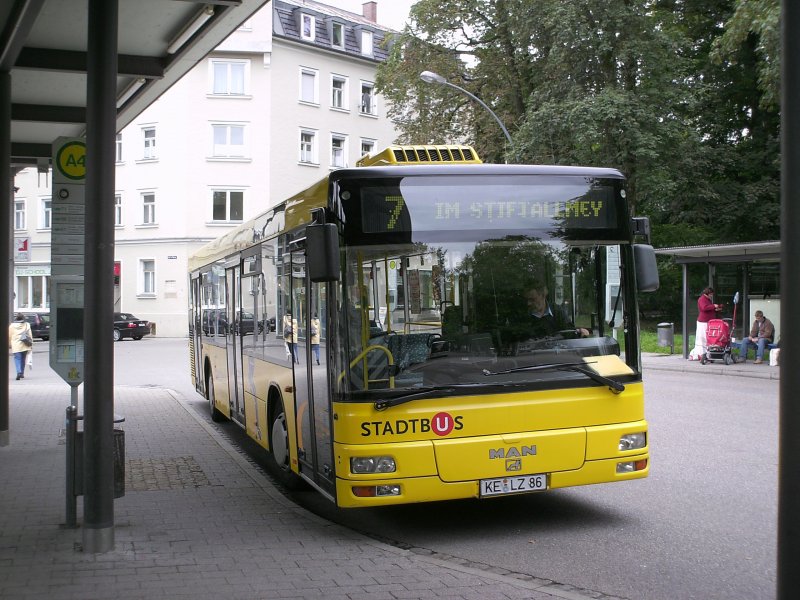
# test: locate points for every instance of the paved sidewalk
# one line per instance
(676, 362)
(198, 521)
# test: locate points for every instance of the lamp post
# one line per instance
(431, 77)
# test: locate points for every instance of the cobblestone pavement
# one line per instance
(198, 521)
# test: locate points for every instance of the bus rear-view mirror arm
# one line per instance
(322, 252)
(646, 268)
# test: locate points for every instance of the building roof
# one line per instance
(286, 24)
(720, 253)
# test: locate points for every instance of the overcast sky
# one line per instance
(391, 13)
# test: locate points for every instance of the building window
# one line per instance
(368, 99)
(118, 149)
(148, 208)
(32, 291)
(19, 215)
(366, 43)
(228, 141)
(147, 277)
(337, 35)
(149, 134)
(307, 27)
(308, 146)
(117, 210)
(229, 78)
(367, 147)
(338, 150)
(338, 92)
(45, 214)
(309, 91)
(228, 205)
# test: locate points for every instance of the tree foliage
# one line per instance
(680, 95)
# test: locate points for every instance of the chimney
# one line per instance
(370, 11)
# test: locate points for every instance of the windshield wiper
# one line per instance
(578, 367)
(429, 392)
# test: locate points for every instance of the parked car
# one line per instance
(40, 324)
(127, 325)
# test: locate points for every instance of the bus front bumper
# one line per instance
(389, 491)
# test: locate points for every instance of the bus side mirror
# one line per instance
(646, 267)
(322, 252)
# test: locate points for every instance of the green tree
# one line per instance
(680, 95)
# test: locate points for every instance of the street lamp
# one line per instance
(431, 77)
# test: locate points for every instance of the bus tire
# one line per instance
(279, 448)
(216, 415)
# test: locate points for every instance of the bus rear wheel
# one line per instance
(279, 449)
(216, 416)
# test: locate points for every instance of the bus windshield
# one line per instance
(473, 285)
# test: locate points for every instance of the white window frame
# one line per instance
(20, 214)
(334, 26)
(118, 210)
(367, 41)
(148, 209)
(227, 191)
(342, 94)
(372, 109)
(339, 145)
(118, 148)
(146, 285)
(367, 142)
(228, 150)
(308, 33)
(149, 142)
(225, 89)
(45, 213)
(302, 92)
(308, 150)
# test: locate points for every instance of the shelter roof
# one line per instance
(43, 45)
(722, 253)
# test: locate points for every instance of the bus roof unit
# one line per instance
(429, 154)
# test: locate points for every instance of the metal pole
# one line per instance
(484, 105)
(7, 200)
(71, 520)
(789, 452)
(685, 330)
(98, 429)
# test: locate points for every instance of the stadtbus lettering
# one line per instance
(401, 426)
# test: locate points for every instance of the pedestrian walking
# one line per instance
(20, 342)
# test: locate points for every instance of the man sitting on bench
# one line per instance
(761, 334)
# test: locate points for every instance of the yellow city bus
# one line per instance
(428, 327)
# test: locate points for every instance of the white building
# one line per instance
(283, 101)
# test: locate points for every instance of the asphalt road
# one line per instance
(703, 525)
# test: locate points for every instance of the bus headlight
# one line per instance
(373, 491)
(633, 441)
(372, 464)
(632, 466)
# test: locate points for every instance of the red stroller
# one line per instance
(718, 338)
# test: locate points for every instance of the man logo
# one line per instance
(512, 452)
(514, 465)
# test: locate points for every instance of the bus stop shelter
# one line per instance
(86, 69)
(714, 255)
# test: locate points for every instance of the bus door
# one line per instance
(312, 399)
(233, 343)
(196, 331)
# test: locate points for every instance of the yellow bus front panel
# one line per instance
(461, 447)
